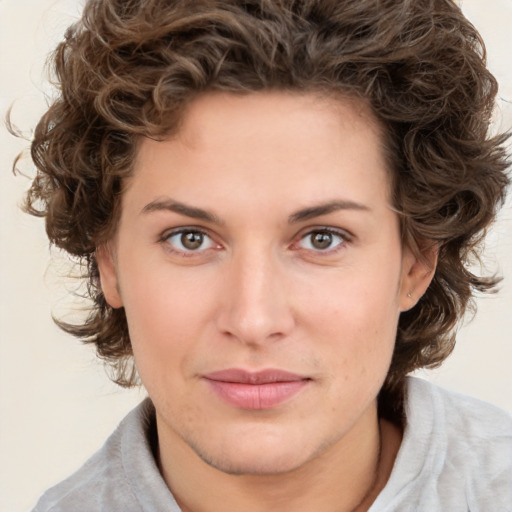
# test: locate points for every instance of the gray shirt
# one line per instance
(456, 456)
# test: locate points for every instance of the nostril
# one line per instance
(255, 330)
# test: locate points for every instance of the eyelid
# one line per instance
(346, 237)
(167, 234)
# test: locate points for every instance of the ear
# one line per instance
(108, 275)
(418, 269)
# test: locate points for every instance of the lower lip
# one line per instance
(257, 396)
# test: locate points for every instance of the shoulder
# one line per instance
(117, 477)
(466, 419)
(456, 454)
(470, 441)
(472, 434)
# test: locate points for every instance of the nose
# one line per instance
(256, 301)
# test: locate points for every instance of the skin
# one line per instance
(257, 293)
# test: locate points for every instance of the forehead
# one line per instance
(261, 115)
(263, 145)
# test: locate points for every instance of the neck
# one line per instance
(347, 476)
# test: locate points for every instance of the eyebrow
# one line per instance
(168, 204)
(324, 209)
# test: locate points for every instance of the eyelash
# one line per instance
(342, 235)
(165, 239)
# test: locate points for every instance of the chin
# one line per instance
(262, 464)
(256, 456)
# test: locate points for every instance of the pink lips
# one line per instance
(259, 390)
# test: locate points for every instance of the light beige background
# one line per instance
(57, 406)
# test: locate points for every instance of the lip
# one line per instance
(255, 390)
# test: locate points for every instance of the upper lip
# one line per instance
(266, 376)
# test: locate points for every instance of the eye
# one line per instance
(323, 240)
(189, 240)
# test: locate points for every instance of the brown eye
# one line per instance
(188, 241)
(321, 240)
(192, 240)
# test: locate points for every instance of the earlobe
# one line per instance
(417, 274)
(108, 275)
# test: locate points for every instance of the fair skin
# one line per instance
(261, 269)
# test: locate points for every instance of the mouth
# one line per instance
(265, 389)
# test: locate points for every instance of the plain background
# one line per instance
(57, 405)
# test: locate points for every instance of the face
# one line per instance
(262, 274)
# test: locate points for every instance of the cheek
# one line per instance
(357, 319)
(165, 316)
(363, 306)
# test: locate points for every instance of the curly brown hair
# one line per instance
(128, 68)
